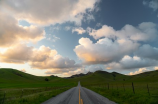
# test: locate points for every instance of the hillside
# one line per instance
(11, 77)
(15, 75)
(114, 77)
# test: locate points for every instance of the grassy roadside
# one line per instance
(121, 96)
(32, 96)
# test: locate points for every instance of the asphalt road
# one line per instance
(78, 95)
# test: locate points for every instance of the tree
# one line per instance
(46, 79)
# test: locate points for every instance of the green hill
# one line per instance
(15, 78)
(12, 77)
(100, 77)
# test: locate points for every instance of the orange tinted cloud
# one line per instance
(11, 33)
(41, 58)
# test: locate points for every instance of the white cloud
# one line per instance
(104, 50)
(49, 11)
(79, 30)
(128, 62)
(141, 70)
(146, 31)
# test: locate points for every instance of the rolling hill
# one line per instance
(11, 77)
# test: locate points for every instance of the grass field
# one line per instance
(31, 95)
(21, 88)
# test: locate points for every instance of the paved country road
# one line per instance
(78, 95)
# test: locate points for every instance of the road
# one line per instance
(78, 95)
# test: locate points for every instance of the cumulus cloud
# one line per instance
(16, 54)
(79, 30)
(49, 11)
(41, 58)
(147, 51)
(128, 62)
(141, 70)
(146, 31)
(11, 33)
(120, 49)
(104, 50)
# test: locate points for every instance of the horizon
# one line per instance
(84, 73)
(64, 38)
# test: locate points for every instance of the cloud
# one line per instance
(23, 70)
(93, 68)
(79, 30)
(120, 49)
(104, 50)
(67, 28)
(128, 62)
(52, 38)
(57, 71)
(16, 54)
(156, 68)
(49, 11)
(77, 71)
(146, 31)
(141, 70)
(66, 72)
(98, 24)
(56, 62)
(152, 4)
(11, 33)
(41, 58)
(85, 70)
(147, 51)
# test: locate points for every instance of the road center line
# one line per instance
(80, 100)
(79, 96)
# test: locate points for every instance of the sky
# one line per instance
(67, 37)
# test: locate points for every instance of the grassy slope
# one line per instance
(14, 77)
(11, 78)
(105, 77)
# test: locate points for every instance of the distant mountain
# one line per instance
(79, 75)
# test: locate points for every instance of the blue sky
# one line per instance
(76, 36)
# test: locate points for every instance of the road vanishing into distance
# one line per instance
(78, 95)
